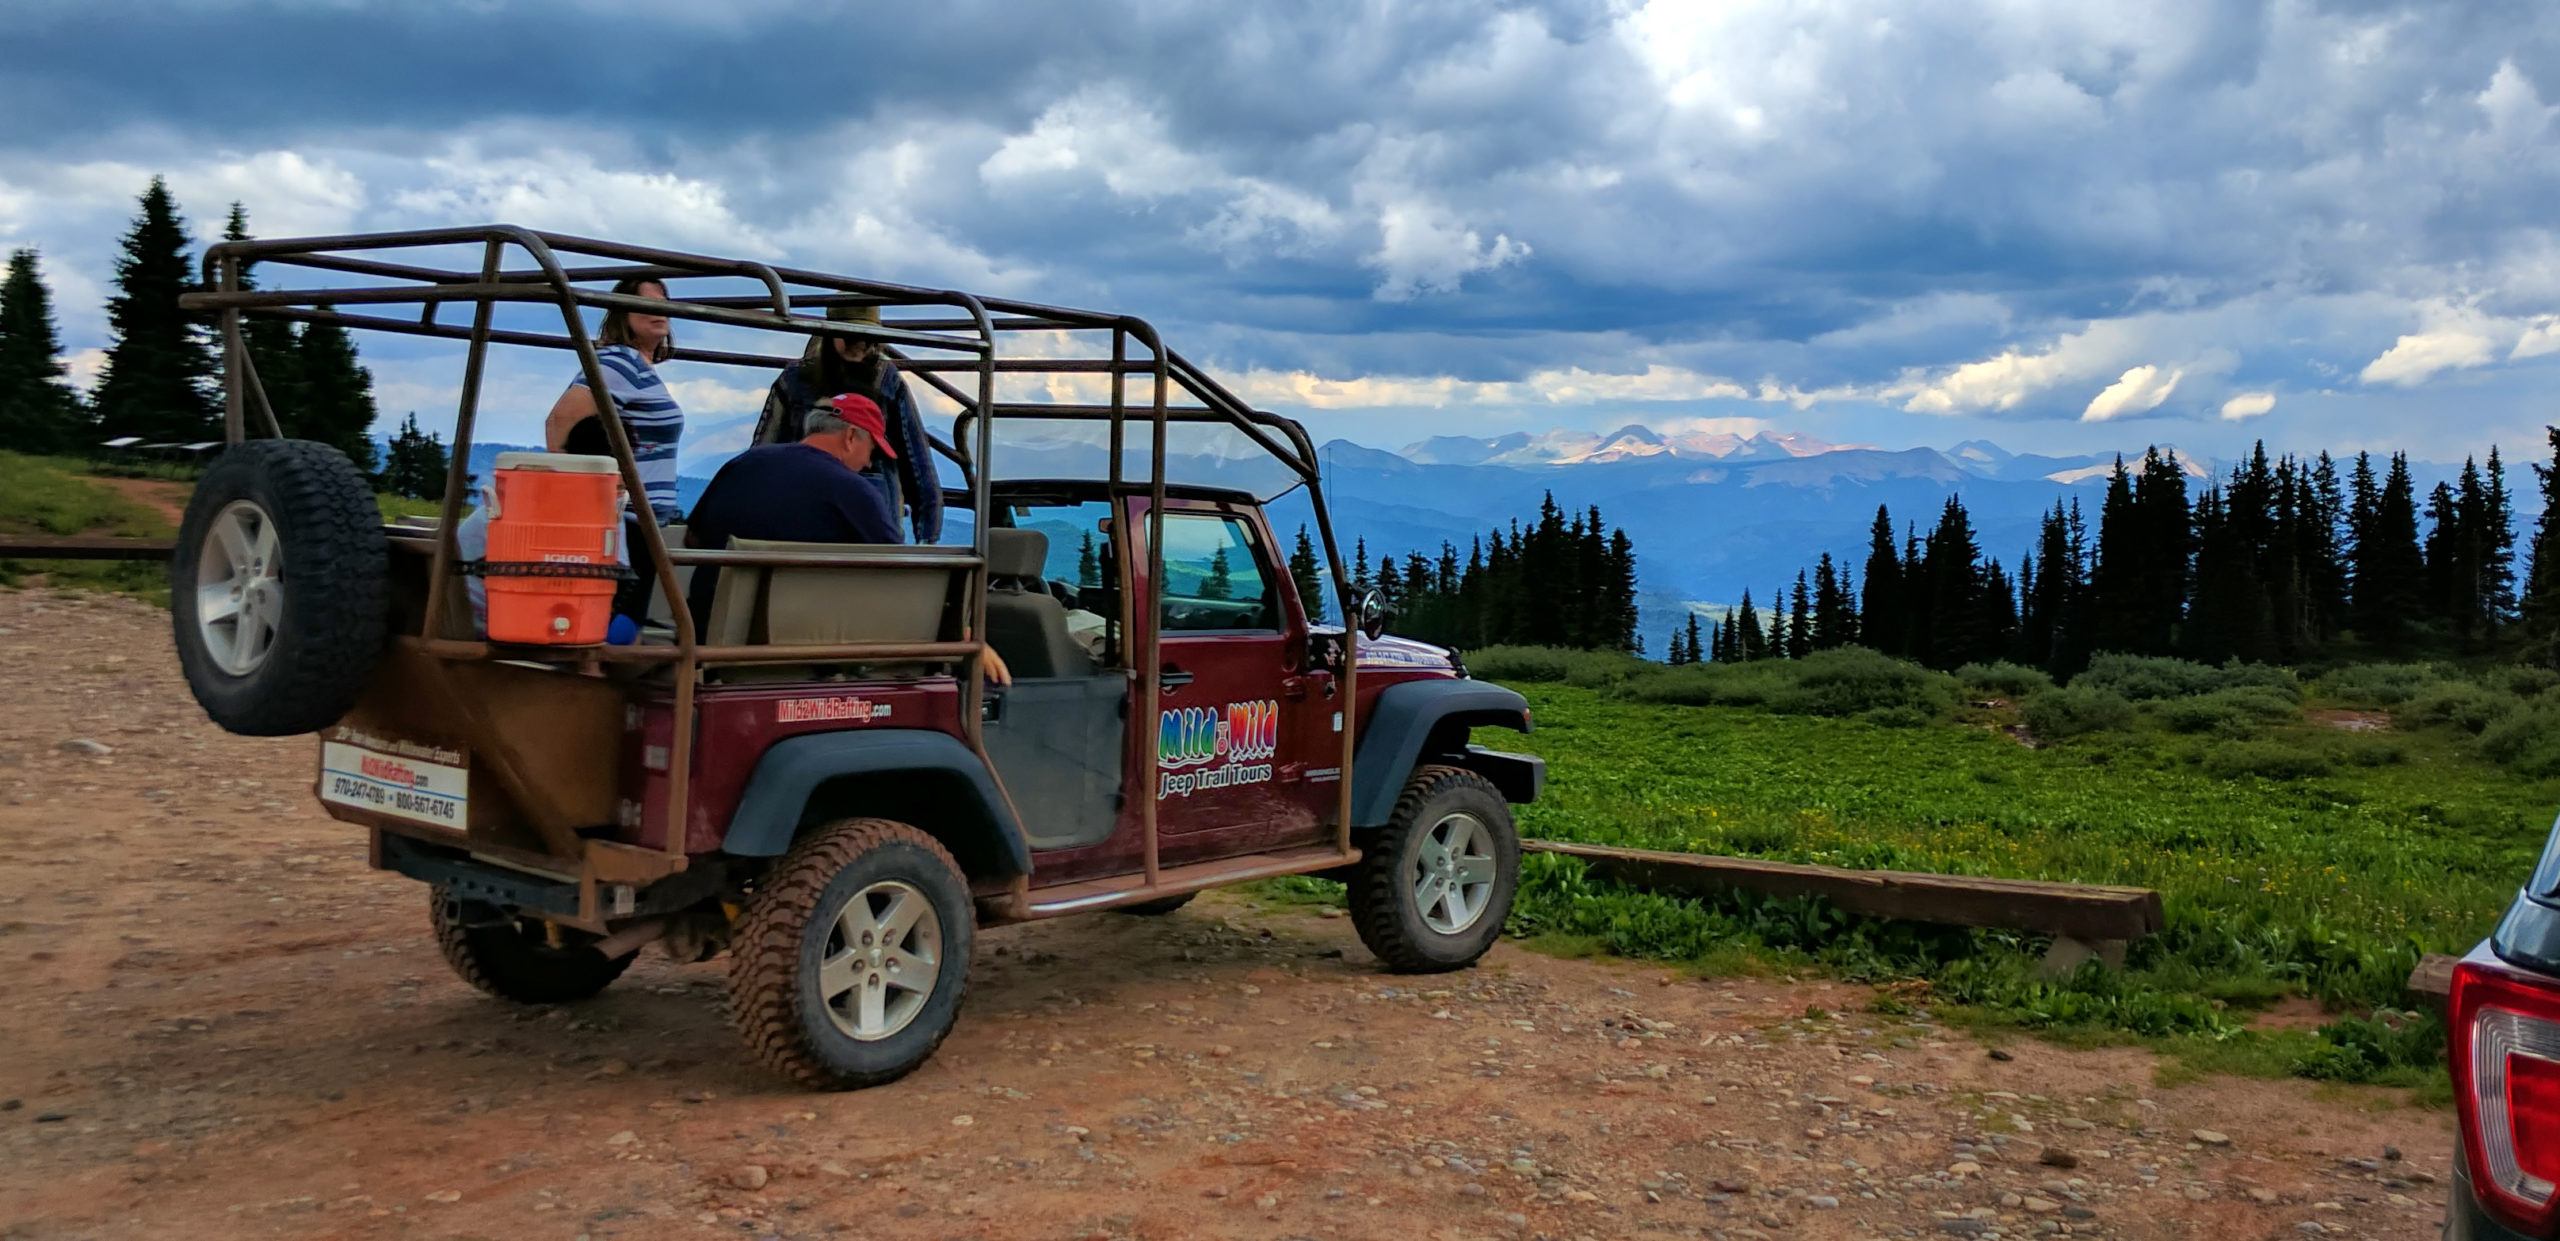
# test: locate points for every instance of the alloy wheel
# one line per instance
(883, 954)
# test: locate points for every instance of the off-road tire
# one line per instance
(1383, 908)
(774, 959)
(333, 568)
(1156, 908)
(513, 961)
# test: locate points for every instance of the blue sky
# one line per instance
(2060, 227)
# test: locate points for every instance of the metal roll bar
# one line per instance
(932, 347)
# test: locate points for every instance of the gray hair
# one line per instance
(823, 420)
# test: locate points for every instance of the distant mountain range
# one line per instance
(1711, 514)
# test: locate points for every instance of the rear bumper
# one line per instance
(487, 883)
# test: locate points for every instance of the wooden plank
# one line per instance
(83, 547)
(2081, 911)
(2433, 979)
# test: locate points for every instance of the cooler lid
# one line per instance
(558, 463)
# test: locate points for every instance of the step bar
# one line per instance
(1095, 894)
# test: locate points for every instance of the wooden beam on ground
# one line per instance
(83, 547)
(2432, 981)
(2085, 912)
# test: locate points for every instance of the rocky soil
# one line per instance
(219, 1023)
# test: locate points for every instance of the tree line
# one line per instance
(2282, 560)
(161, 380)
(1561, 581)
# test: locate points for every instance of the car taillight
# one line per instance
(2505, 1049)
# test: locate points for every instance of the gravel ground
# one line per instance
(220, 1023)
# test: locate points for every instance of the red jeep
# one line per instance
(818, 778)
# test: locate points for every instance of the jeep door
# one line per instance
(1231, 727)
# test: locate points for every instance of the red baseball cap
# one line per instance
(859, 410)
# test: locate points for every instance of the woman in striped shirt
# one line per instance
(630, 345)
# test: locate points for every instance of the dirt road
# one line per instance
(219, 1024)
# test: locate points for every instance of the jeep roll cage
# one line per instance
(945, 338)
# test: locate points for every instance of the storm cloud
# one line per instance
(2060, 225)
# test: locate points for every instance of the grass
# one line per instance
(60, 495)
(47, 495)
(2293, 860)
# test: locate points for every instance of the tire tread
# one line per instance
(1373, 881)
(764, 973)
(330, 531)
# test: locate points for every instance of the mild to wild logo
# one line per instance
(1215, 747)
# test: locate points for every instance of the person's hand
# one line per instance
(997, 673)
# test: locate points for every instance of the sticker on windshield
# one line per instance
(404, 779)
(1216, 747)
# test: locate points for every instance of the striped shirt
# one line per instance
(651, 417)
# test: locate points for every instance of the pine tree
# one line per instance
(1619, 588)
(1360, 582)
(1832, 623)
(1089, 566)
(2324, 557)
(159, 379)
(1690, 637)
(275, 353)
(1751, 641)
(1800, 620)
(39, 412)
(2540, 607)
(1220, 582)
(2160, 499)
(1880, 617)
(1390, 584)
(2115, 577)
(1728, 641)
(336, 398)
(2389, 570)
(2230, 617)
(1304, 572)
(1959, 628)
(416, 464)
(2448, 572)
(2053, 622)
(2498, 555)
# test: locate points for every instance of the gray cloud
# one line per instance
(1900, 215)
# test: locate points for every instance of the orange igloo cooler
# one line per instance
(555, 548)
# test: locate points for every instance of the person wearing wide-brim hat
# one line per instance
(832, 366)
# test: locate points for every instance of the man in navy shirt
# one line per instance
(808, 492)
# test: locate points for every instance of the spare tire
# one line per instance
(277, 591)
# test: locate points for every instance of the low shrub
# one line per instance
(2143, 678)
(2526, 740)
(1847, 681)
(2378, 685)
(1897, 717)
(2230, 712)
(1588, 669)
(2457, 704)
(1854, 679)
(2076, 710)
(2002, 679)
(2525, 680)
(2267, 760)
(1520, 663)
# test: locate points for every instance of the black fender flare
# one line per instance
(972, 817)
(1405, 720)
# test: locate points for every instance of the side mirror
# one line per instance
(1373, 614)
